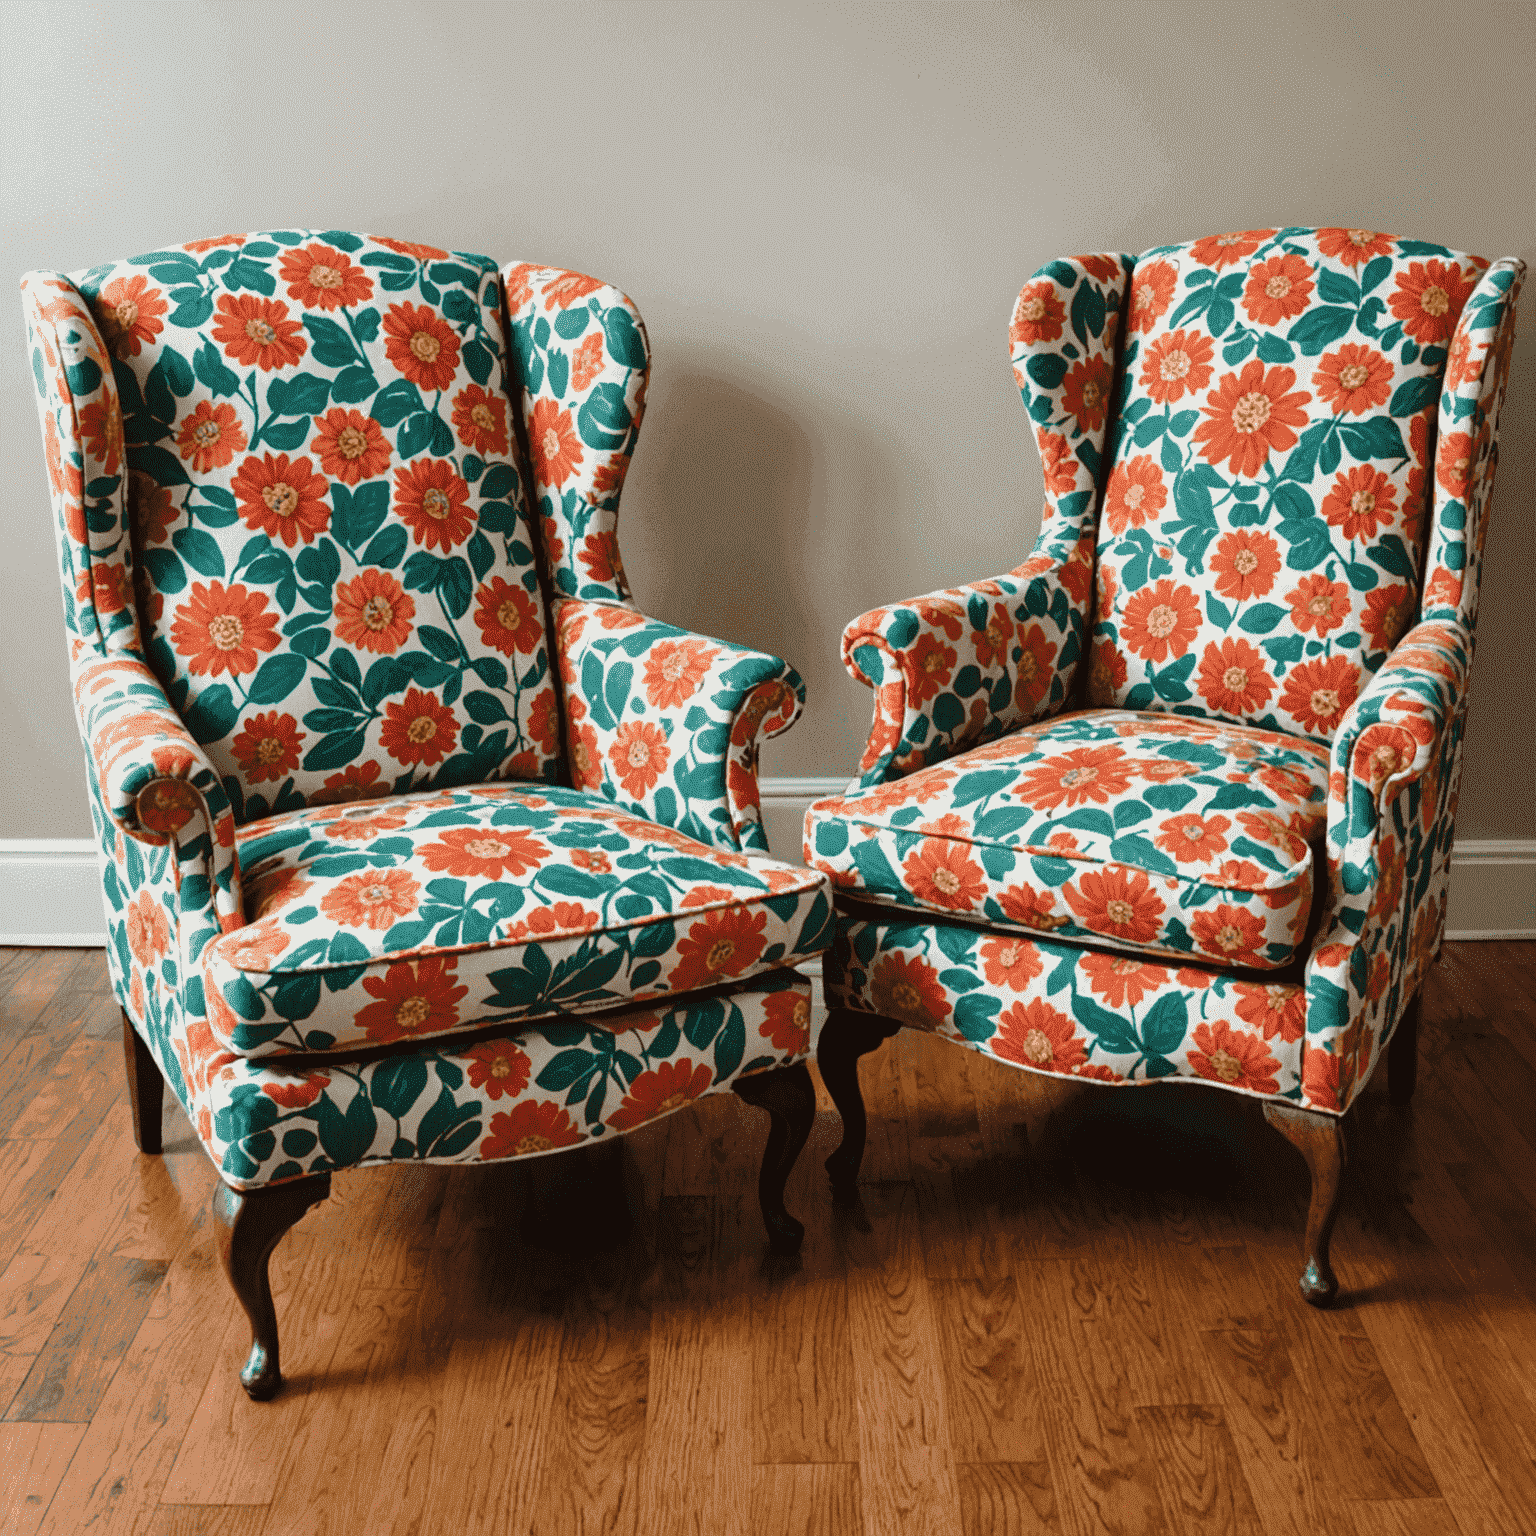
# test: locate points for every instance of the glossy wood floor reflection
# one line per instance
(1061, 1310)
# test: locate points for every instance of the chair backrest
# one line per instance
(1261, 527)
(329, 540)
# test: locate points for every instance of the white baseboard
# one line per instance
(50, 892)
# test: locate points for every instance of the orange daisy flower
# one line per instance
(1229, 933)
(480, 419)
(1353, 380)
(1354, 247)
(350, 446)
(499, 1067)
(1362, 503)
(600, 554)
(419, 729)
(253, 330)
(1121, 980)
(1101, 268)
(940, 873)
(1232, 678)
(1030, 908)
(102, 428)
(103, 584)
(1388, 611)
(221, 629)
(320, 277)
(372, 898)
(1194, 839)
(1320, 1079)
(433, 501)
(413, 248)
(1177, 365)
(544, 719)
(1245, 563)
(374, 612)
(1453, 463)
(357, 781)
(787, 1023)
(722, 944)
(508, 618)
(909, 991)
(364, 822)
(1429, 298)
(1036, 1035)
(150, 509)
(254, 947)
(1248, 415)
(639, 755)
(993, 643)
(281, 499)
(567, 288)
(1234, 1058)
(296, 1092)
(1161, 621)
(149, 934)
(674, 669)
(268, 747)
(1106, 673)
(1119, 903)
(1227, 250)
(211, 436)
(422, 345)
(1058, 462)
(130, 312)
(533, 1126)
(1278, 289)
(552, 444)
(558, 920)
(484, 853)
(1151, 293)
(587, 362)
(1010, 963)
(1086, 390)
(1134, 495)
(653, 1094)
(1082, 776)
(412, 998)
(1276, 1010)
(1037, 316)
(1318, 604)
(931, 667)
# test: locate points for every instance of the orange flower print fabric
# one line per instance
(496, 901)
(330, 520)
(1280, 383)
(1139, 832)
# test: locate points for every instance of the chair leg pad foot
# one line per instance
(260, 1376)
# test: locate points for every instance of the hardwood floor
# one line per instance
(1061, 1310)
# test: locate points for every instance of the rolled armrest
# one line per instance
(155, 778)
(667, 723)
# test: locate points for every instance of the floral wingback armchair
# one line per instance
(336, 528)
(1177, 796)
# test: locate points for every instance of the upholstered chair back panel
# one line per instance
(330, 542)
(1261, 524)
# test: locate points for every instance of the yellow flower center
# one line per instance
(377, 614)
(1174, 366)
(1230, 939)
(1093, 392)
(509, 617)
(1278, 286)
(482, 417)
(501, 1067)
(127, 314)
(486, 848)
(1245, 561)
(1121, 913)
(532, 1143)
(1162, 621)
(435, 504)
(1354, 375)
(1033, 308)
(1076, 776)
(260, 332)
(1235, 680)
(281, 498)
(1325, 702)
(1251, 412)
(1036, 1047)
(1227, 1067)
(412, 1013)
(946, 880)
(1434, 301)
(1362, 503)
(425, 346)
(906, 998)
(1360, 236)
(1320, 605)
(422, 728)
(226, 632)
(352, 442)
(674, 666)
(1135, 496)
(719, 955)
(322, 276)
(206, 433)
(639, 753)
(551, 443)
(269, 749)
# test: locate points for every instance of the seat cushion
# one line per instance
(1147, 832)
(422, 915)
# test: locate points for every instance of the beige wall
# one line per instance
(824, 214)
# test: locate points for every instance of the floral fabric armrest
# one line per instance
(155, 779)
(958, 667)
(1391, 822)
(667, 723)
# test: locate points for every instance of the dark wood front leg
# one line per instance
(146, 1088)
(1403, 1053)
(249, 1223)
(847, 1035)
(790, 1099)
(1320, 1139)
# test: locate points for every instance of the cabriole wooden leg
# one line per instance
(1403, 1053)
(1320, 1139)
(146, 1088)
(790, 1099)
(249, 1223)
(847, 1035)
